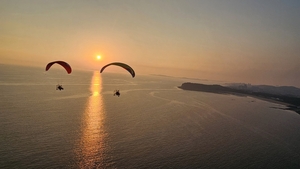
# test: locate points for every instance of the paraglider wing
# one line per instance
(123, 65)
(62, 63)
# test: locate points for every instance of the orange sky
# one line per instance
(253, 42)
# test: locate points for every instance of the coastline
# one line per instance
(291, 103)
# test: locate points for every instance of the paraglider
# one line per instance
(62, 63)
(117, 93)
(59, 87)
(65, 65)
(123, 65)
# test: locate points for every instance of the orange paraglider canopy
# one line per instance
(62, 63)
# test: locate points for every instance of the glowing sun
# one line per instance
(98, 57)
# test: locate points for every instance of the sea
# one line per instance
(153, 124)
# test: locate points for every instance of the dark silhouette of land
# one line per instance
(292, 103)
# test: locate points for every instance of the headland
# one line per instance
(291, 102)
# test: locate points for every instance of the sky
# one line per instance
(242, 41)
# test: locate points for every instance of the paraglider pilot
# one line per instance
(117, 92)
(59, 87)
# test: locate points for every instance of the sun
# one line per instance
(98, 57)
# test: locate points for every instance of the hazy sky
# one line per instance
(251, 41)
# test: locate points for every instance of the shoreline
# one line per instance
(291, 103)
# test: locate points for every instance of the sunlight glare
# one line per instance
(92, 144)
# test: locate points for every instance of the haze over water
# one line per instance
(153, 124)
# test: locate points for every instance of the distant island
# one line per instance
(292, 102)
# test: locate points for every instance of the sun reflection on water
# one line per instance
(91, 151)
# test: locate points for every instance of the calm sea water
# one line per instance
(153, 124)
